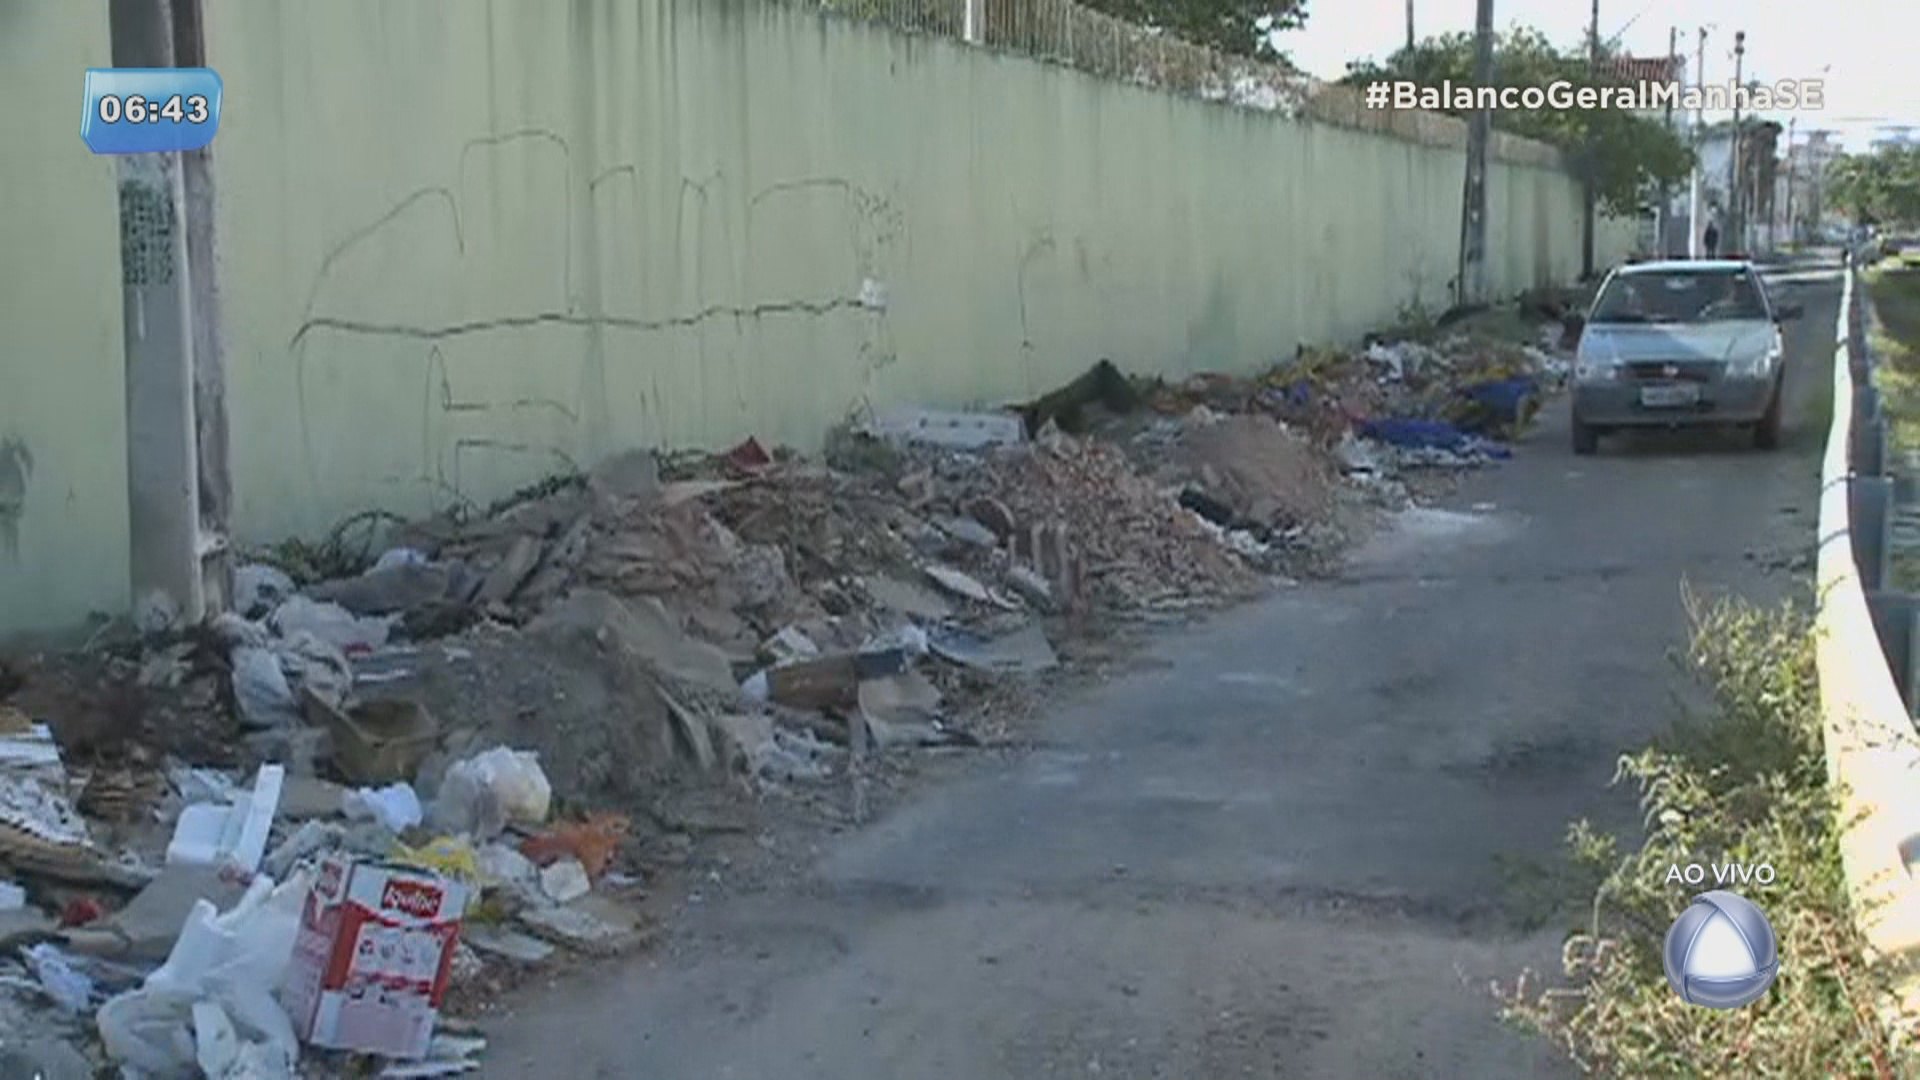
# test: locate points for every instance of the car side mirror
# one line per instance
(1788, 312)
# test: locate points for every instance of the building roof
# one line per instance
(1643, 68)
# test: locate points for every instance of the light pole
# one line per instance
(1592, 154)
(1736, 223)
(1793, 237)
(1699, 118)
(1664, 246)
(1471, 283)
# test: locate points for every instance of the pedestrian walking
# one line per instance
(1712, 239)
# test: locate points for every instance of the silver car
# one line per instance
(1680, 343)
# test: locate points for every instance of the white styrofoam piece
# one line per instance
(258, 822)
(959, 430)
(211, 832)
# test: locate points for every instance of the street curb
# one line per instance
(1872, 748)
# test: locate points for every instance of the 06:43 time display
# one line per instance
(136, 109)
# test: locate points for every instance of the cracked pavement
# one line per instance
(1274, 850)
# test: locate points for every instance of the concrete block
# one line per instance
(1870, 510)
(1895, 616)
(1867, 454)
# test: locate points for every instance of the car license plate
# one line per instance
(1669, 397)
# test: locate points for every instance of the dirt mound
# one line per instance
(1139, 548)
(1260, 468)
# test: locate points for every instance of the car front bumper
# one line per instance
(1722, 400)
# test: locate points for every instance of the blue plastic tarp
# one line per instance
(1410, 433)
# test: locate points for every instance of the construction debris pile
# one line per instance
(467, 755)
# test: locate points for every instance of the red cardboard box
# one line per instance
(370, 966)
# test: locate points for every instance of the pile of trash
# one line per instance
(1392, 407)
(236, 939)
(472, 739)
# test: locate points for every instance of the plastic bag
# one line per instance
(395, 806)
(482, 794)
(259, 588)
(260, 690)
(330, 623)
(232, 961)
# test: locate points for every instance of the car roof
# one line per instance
(1687, 266)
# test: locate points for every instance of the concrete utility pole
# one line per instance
(1471, 284)
(1409, 25)
(1593, 154)
(1792, 233)
(1699, 118)
(1663, 221)
(177, 481)
(1736, 213)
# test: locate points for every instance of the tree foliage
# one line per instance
(1631, 156)
(1880, 187)
(1241, 27)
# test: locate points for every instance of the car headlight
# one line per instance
(1591, 369)
(1755, 366)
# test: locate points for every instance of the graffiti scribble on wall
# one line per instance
(16, 468)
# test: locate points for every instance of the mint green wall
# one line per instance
(465, 245)
(63, 463)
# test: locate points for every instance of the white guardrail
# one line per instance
(1872, 748)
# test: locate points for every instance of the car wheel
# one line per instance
(1766, 433)
(1586, 437)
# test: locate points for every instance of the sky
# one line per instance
(1866, 52)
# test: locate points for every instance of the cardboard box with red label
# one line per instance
(370, 966)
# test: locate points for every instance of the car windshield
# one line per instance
(1680, 297)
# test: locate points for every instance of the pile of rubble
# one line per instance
(493, 719)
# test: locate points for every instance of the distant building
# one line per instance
(1901, 139)
(1801, 186)
(1637, 70)
(1757, 176)
(1633, 70)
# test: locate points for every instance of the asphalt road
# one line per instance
(1276, 849)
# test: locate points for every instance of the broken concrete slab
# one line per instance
(644, 631)
(565, 881)
(1022, 652)
(829, 682)
(630, 475)
(506, 942)
(908, 695)
(511, 572)
(907, 598)
(1032, 586)
(690, 731)
(788, 644)
(304, 797)
(146, 928)
(741, 740)
(968, 531)
(994, 514)
(43, 1057)
(591, 925)
(24, 926)
(959, 583)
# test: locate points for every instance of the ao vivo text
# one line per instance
(1720, 874)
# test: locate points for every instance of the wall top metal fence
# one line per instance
(1071, 34)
